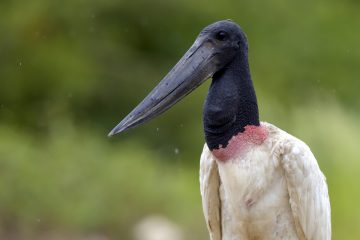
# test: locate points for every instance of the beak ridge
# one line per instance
(197, 65)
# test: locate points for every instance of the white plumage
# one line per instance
(274, 190)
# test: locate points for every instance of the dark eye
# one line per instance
(221, 36)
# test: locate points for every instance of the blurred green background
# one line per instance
(70, 70)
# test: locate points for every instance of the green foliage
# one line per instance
(70, 70)
(76, 181)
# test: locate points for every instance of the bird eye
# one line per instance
(221, 36)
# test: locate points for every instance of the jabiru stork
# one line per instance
(256, 181)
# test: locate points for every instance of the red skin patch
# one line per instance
(240, 142)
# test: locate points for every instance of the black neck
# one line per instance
(230, 104)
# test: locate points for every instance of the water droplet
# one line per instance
(20, 63)
(157, 129)
(176, 151)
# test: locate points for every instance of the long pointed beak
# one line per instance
(198, 64)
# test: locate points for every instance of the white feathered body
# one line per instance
(272, 190)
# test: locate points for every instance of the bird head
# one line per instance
(214, 48)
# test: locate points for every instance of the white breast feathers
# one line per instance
(274, 190)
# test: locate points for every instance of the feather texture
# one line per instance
(275, 190)
(210, 183)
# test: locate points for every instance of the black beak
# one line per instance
(198, 64)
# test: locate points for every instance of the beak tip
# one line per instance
(115, 131)
(124, 125)
(118, 129)
(110, 134)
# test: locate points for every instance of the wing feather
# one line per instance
(308, 191)
(209, 187)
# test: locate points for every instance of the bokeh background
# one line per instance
(70, 70)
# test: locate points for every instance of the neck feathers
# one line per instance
(231, 103)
